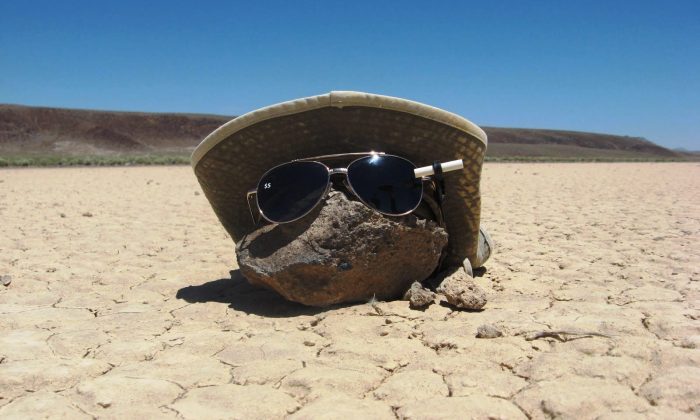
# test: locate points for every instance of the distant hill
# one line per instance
(532, 143)
(35, 130)
(56, 133)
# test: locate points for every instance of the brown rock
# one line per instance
(488, 331)
(343, 252)
(419, 296)
(460, 290)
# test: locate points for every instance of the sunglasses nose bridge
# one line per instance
(344, 173)
(338, 171)
(331, 172)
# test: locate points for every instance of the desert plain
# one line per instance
(123, 300)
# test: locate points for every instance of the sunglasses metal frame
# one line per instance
(331, 171)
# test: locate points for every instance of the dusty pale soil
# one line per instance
(121, 306)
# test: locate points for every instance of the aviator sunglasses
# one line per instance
(388, 184)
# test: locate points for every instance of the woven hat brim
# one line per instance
(231, 159)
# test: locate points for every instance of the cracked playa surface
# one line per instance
(131, 311)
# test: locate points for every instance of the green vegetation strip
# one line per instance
(94, 160)
(119, 160)
(580, 159)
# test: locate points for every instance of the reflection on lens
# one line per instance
(386, 183)
(287, 192)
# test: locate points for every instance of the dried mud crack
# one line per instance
(593, 289)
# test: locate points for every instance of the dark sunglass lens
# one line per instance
(386, 183)
(289, 191)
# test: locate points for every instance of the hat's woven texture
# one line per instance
(233, 163)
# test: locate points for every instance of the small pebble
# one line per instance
(5, 280)
(309, 343)
(419, 296)
(87, 214)
(461, 291)
(488, 331)
(692, 342)
(62, 215)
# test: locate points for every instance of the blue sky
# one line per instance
(621, 67)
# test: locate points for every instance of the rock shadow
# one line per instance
(242, 296)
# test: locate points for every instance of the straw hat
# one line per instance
(230, 161)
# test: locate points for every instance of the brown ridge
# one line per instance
(71, 132)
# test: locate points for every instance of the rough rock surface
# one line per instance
(132, 313)
(488, 331)
(419, 296)
(343, 252)
(5, 280)
(460, 290)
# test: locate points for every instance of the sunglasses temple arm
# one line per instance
(250, 209)
(436, 171)
(453, 165)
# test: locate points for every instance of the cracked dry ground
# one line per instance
(121, 305)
